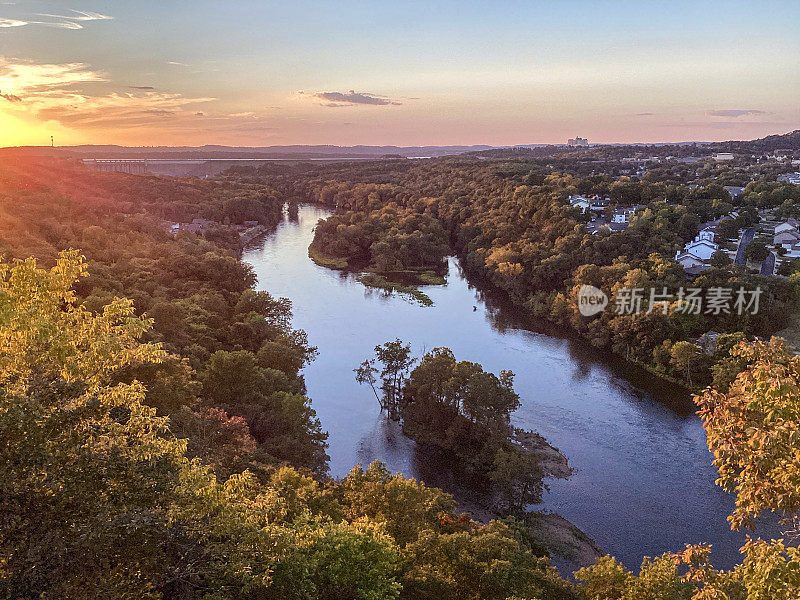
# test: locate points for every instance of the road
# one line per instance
(768, 266)
(747, 237)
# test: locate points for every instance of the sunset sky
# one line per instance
(258, 73)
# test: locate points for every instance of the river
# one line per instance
(643, 481)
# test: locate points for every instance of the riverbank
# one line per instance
(552, 328)
(374, 280)
(329, 262)
(406, 283)
(618, 424)
(569, 548)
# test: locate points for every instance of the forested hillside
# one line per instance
(157, 441)
(190, 464)
(514, 229)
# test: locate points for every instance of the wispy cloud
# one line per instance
(12, 22)
(10, 97)
(78, 15)
(26, 76)
(351, 98)
(735, 113)
(56, 92)
(72, 20)
(141, 87)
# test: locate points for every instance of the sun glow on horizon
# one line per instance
(440, 73)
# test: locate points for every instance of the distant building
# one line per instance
(786, 234)
(696, 270)
(577, 141)
(734, 191)
(196, 226)
(790, 178)
(697, 252)
(581, 202)
(623, 215)
(599, 224)
(599, 204)
(721, 156)
(688, 260)
(792, 251)
(586, 204)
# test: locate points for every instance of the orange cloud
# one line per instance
(54, 92)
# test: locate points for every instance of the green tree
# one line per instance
(85, 468)
(518, 478)
(97, 498)
(757, 250)
(720, 259)
(283, 422)
(683, 355)
(395, 360)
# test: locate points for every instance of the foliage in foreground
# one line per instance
(754, 432)
(98, 499)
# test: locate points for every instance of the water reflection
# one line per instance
(643, 484)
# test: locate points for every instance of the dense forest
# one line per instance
(513, 228)
(157, 441)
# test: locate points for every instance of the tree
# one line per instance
(683, 355)
(753, 431)
(490, 400)
(787, 267)
(85, 468)
(720, 259)
(518, 478)
(96, 496)
(279, 417)
(757, 250)
(366, 374)
(395, 358)
(726, 229)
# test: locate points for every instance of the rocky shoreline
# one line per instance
(569, 547)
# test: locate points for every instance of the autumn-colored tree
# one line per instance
(753, 430)
(683, 354)
(97, 498)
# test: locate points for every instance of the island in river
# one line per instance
(643, 481)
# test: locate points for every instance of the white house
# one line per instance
(793, 251)
(599, 204)
(734, 191)
(790, 178)
(623, 215)
(786, 234)
(787, 225)
(688, 260)
(786, 238)
(581, 202)
(699, 250)
(719, 156)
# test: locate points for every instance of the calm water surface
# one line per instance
(643, 481)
